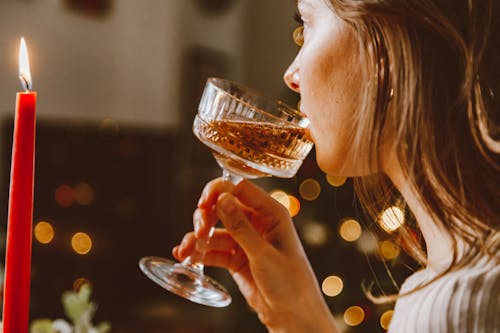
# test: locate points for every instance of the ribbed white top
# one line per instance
(465, 300)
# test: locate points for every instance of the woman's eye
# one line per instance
(298, 18)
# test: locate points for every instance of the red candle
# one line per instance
(18, 248)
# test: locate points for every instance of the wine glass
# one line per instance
(250, 136)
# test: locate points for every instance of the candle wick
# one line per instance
(25, 83)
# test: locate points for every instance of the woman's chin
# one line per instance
(333, 167)
(341, 167)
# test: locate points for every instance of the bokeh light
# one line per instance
(367, 243)
(298, 36)
(109, 128)
(315, 233)
(43, 232)
(84, 194)
(339, 322)
(78, 283)
(389, 250)
(385, 319)
(310, 189)
(391, 219)
(281, 197)
(350, 230)
(332, 286)
(294, 206)
(354, 315)
(336, 181)
(81, 243)
(64, 195)
(291, 203)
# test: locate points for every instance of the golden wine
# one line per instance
(255, 149)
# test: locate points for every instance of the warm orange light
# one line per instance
(389, 250)
(64, 195)
(84, 194)
(310, 189)
(294, 206)
(391, 219)
(281, 197)
(78, 283)
(385, 319)
(350, 230)
(81, 243)
(336, 181)
(291, 203)
(354, 315)
(43, 232)
(332, 286)
(298, 36)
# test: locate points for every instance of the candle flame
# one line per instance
(24, 66)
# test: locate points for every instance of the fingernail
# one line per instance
(228, 206)
(197, 226)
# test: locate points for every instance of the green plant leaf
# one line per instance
(41, 326)
(104, 327)
(78, 305)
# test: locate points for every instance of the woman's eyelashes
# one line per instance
(298, 18)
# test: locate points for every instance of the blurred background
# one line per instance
(119, 172)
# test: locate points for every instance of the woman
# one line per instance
(404, 97)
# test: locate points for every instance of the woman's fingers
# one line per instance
(233, 261)
(186, 247)
(248, 193)
(236, 262)
(255, 202)
(253, 196)
(222, 251)
(203, 221)
(221, 241)
(234, 219)
(212, 191)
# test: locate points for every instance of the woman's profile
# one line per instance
(404, 97)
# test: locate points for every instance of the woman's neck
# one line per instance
(437, 240)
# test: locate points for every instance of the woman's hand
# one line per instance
(260, 248)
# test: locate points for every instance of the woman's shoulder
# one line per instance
(466, 299)
(478, 271)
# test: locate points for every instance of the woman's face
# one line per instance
(328, 75)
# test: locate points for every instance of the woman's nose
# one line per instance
(292, 78)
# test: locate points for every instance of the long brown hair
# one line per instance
(434, 79)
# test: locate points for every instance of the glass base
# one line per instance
(185, 281)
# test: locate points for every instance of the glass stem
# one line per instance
(195, 261)
(230, 177)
